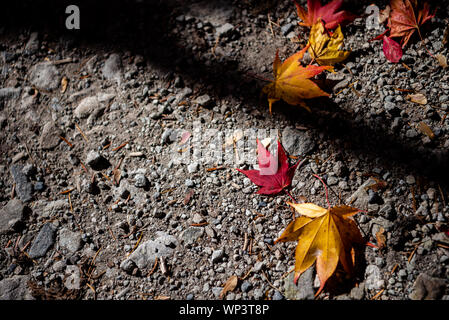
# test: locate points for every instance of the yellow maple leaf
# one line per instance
(292, 81)
(325, 47)
(325, 236)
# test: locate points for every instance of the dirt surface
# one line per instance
(103, 197)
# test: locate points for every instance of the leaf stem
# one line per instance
(289, 194)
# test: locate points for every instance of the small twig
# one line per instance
(120, 146)
(153, 269)
(66, 141)
(269, 283)
(82, 133)
(377, 295)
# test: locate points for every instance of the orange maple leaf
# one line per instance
(292, 81)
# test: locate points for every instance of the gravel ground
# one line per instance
(114, 211)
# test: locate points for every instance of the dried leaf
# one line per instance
(325, 48)
(417, 98)
(229, 286)
(64, 83)
(424, 128)
(188, 196)
(442, 61)
(292, 83)
(380, 237)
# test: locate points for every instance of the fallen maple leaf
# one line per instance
(324, 48)
(291, 81)
(274, 174)
(327, 14)
(327, 236)
(392, 50)
(404, 21)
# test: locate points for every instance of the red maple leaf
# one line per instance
(392, 50)
(327, 14)
(274, 174)
(405, 18)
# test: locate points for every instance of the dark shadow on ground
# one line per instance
(143, 27)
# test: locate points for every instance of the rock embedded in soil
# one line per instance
(50, 136)
(428, 288)
(303, 289)
(44, 76)
(373, 278)
(69, 240)
(11, 216)
(43, 241)
(297, 142)
(15, 288)
(86, 107)
(24, 188)
(360, 199)
(147, 252)
(112, 67)
(96, 161)
(192, 234)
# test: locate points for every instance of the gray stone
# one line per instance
(204, 100)
(147, 252)
(10, 93)
(15, 288)
(224, 30)
(49, 138)
(54, 207)
(11, 215)
(410, 179)
(112, 68)
(358, 293)
(44, 76)
(297, 142)
(360, 198)
(33, 43)
(286, 28)
(140, 181)
(373, 278)
(86, 107)
(245, 286)
(69, 240)
(277, 295)
(217, 255)
(192, 234)
(96, 161)
(428, 288)
(72, 277)
(303, 289)
(24, 188)
(43, 241)
(193, 167)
